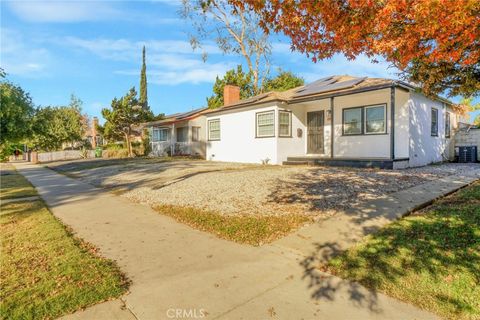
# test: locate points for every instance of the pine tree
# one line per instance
(143, 83)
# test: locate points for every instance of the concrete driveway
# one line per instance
(180, 273)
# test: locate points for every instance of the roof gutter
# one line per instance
(167, 122)
(394, 84)
(244, 105)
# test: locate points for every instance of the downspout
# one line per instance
(332, 126)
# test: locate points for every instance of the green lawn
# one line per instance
(46, 272)
(254, 230)
(14, 185)
(430, 259)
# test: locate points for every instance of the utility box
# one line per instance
(467, 154)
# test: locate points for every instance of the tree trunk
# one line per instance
(129, 145)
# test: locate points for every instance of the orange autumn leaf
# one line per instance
(436, 42)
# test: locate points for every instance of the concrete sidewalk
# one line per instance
(326, 238)
(174, 267)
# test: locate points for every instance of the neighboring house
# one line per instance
(92, 135)
(179, 134)
(338, 120)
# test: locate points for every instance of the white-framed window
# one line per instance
(160, 134)
(214, 129)
(265, 126)
(352, 121)
(447, 124)
(434, 123)
(375, 117)
(284, 123)
(195, 134)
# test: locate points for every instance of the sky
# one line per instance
(93, 49)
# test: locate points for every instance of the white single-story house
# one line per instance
(179, 134)
(337, 120)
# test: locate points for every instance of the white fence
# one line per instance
(64, 155)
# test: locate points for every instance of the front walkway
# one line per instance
(175, 267)
(326, 238)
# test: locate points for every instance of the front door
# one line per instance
(315, 121)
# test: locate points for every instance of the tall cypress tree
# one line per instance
(143, 83)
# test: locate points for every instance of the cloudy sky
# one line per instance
(93, 49)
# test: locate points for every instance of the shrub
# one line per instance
(115, 153)
(113, 146)
(139, 151)
(147, 147)
(6, 150)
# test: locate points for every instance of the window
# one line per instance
(195, 134)
(434, 123)
(352, 121)
(375, 119)
(284, 124)
(266, 124)
(365, 120)
(160, 134)
(182, 134)
(447, 125)
(214, 129)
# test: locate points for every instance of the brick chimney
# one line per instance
(94, 132)
(231, 94)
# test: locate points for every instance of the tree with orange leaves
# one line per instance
(435, 43)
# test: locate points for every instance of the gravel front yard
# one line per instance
(234, 189)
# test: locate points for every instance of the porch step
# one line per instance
(358, 163)
(297, 163)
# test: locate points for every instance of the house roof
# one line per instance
(258, 99)
(320, 89)
(176, 117)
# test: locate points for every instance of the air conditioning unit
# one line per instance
(467, 154)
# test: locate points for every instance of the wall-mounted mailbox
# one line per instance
(299, 132)
(329, 115)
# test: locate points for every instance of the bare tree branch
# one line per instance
(237, 31)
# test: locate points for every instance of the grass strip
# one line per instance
(430, 259)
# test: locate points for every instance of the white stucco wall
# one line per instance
(294, 145)
(402, 133)
(237, 137)
(361, 146)
(423, 147)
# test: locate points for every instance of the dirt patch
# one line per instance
(285, 190)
